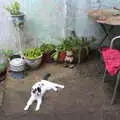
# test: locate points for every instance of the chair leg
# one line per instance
(104, 75)
(115, 89)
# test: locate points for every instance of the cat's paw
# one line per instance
(26, 108)
(55, 89)
(37, 109)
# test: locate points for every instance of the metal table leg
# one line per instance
(106, 33)
(115, 89)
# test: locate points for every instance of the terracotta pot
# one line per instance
(61, 56)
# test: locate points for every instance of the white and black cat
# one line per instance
(39, 89)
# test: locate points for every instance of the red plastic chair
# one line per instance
(111, 59)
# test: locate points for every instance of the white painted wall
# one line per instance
(82, 24)
(47, 20)
(8, 34)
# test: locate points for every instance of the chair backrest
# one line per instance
(113, 41)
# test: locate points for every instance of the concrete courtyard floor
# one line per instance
(85, 97)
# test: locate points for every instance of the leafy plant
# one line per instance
(65, 45)
(2, 67)
(80, 43)
(33, 53)
(55, 55)
(73, 42)
(3, 62)
(7, 53)
(47, 47)
(14, 8)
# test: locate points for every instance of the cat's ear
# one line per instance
(39, 89)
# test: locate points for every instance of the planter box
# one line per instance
(33, 63)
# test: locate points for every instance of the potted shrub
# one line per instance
(62, 49)
(48, 49)
(83, 47)
(33, 57)
(79, 47)
(16, 14)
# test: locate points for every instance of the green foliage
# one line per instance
(14, 8)
(3, 62)
(7, 53)
(66, 45)
(47, 47)
(73, 42)
(2, 67)
(81, 43)
(55, 55)
(33, 53)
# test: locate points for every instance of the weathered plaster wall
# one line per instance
(78, 16)
(47, 20)
(8, 34)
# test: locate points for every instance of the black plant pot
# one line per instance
(3, 67)
(47, 57)
(3, 75)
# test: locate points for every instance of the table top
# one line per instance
(106, 16)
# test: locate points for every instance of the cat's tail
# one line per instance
(46, 76)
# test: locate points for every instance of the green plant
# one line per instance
(14, 8)
(2, 67)
(7, 53)
(3, 63)
(33, 53)
(66, 44)
(80, 45)
(47, 47)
